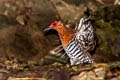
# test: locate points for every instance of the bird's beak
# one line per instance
(48, 28)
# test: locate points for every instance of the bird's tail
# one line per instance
(87, 59)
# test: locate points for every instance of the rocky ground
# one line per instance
(28, 53)
(58, 71)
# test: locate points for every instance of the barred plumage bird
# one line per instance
(76, 43)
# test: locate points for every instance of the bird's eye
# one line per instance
(54, 24)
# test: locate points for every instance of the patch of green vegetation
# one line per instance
(24, 69)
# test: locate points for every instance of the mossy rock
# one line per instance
(107, 24)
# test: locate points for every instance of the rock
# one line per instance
(32, 62)
(87, 75)
(25, 43)
(40, 10)
(109, 74)
(75, 68)
(100, 65)
(81, 76)
(108, 33)
(3, 76)
(118, 77)
(97, 72)
(41, 62)
(115, 78)
(20, 19)
(92, 75)
(100, 72)
(13, 78)
(67, 8)
(57, 64)
(61, 74)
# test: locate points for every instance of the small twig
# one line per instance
(63, 55)
(82, 70)
(58, 15)
(56, 59)
(45, 75)
(68, 7)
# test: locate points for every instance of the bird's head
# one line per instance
(55, 25)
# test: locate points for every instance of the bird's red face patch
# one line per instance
(53, 24)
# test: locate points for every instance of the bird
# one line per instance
(76, 42)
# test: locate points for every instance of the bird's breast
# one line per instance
(65, 39)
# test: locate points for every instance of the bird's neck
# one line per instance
(66, 35)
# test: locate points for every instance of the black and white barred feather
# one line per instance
(83, 39)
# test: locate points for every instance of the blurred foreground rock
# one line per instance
(3, 76)
(21, 25)
(12, 78)
(99, 71)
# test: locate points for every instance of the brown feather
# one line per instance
(65, 34)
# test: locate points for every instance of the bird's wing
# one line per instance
(82, 22)
(75, 51)
(85, 32)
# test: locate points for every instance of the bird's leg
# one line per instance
(58, 47)
(59, 50)
(63, 56)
